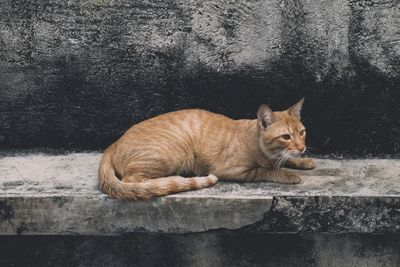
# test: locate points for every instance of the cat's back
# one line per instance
(175, 138)
(187, 114)
(186, 122)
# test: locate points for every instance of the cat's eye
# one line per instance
(303, 132)
(286, 137)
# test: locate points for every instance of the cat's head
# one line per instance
(281, 131)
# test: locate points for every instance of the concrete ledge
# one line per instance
(58, 195)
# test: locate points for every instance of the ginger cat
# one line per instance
(149, 159)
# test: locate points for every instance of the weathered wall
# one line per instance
(208, 249)
(78, 73)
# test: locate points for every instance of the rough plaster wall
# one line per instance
(219, 248)
(79, 73)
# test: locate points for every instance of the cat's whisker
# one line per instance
(273, 157)
(282, 161)
(279, 153)
(279, 163)
(285, 159)
(275, 169)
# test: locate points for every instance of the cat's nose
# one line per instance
(301, 149)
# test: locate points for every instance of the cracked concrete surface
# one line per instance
(58, 194)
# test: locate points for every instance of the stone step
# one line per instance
(42, 194)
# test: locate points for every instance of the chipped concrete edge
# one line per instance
(280, 214)
(68, 215)
(330, 214)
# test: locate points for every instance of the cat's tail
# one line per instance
(115, 188)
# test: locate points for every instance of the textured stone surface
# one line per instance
(205, 249)
(337, 214)
(78, 73)
(58, 194)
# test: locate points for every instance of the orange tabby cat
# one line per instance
(149, 159)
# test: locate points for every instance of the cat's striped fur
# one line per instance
(153, 156)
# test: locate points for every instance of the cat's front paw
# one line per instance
(291, 178)
(308, 164)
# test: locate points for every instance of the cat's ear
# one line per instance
(265, 116)
(295, 110)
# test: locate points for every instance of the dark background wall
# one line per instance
(77, 74)
(219, 248)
